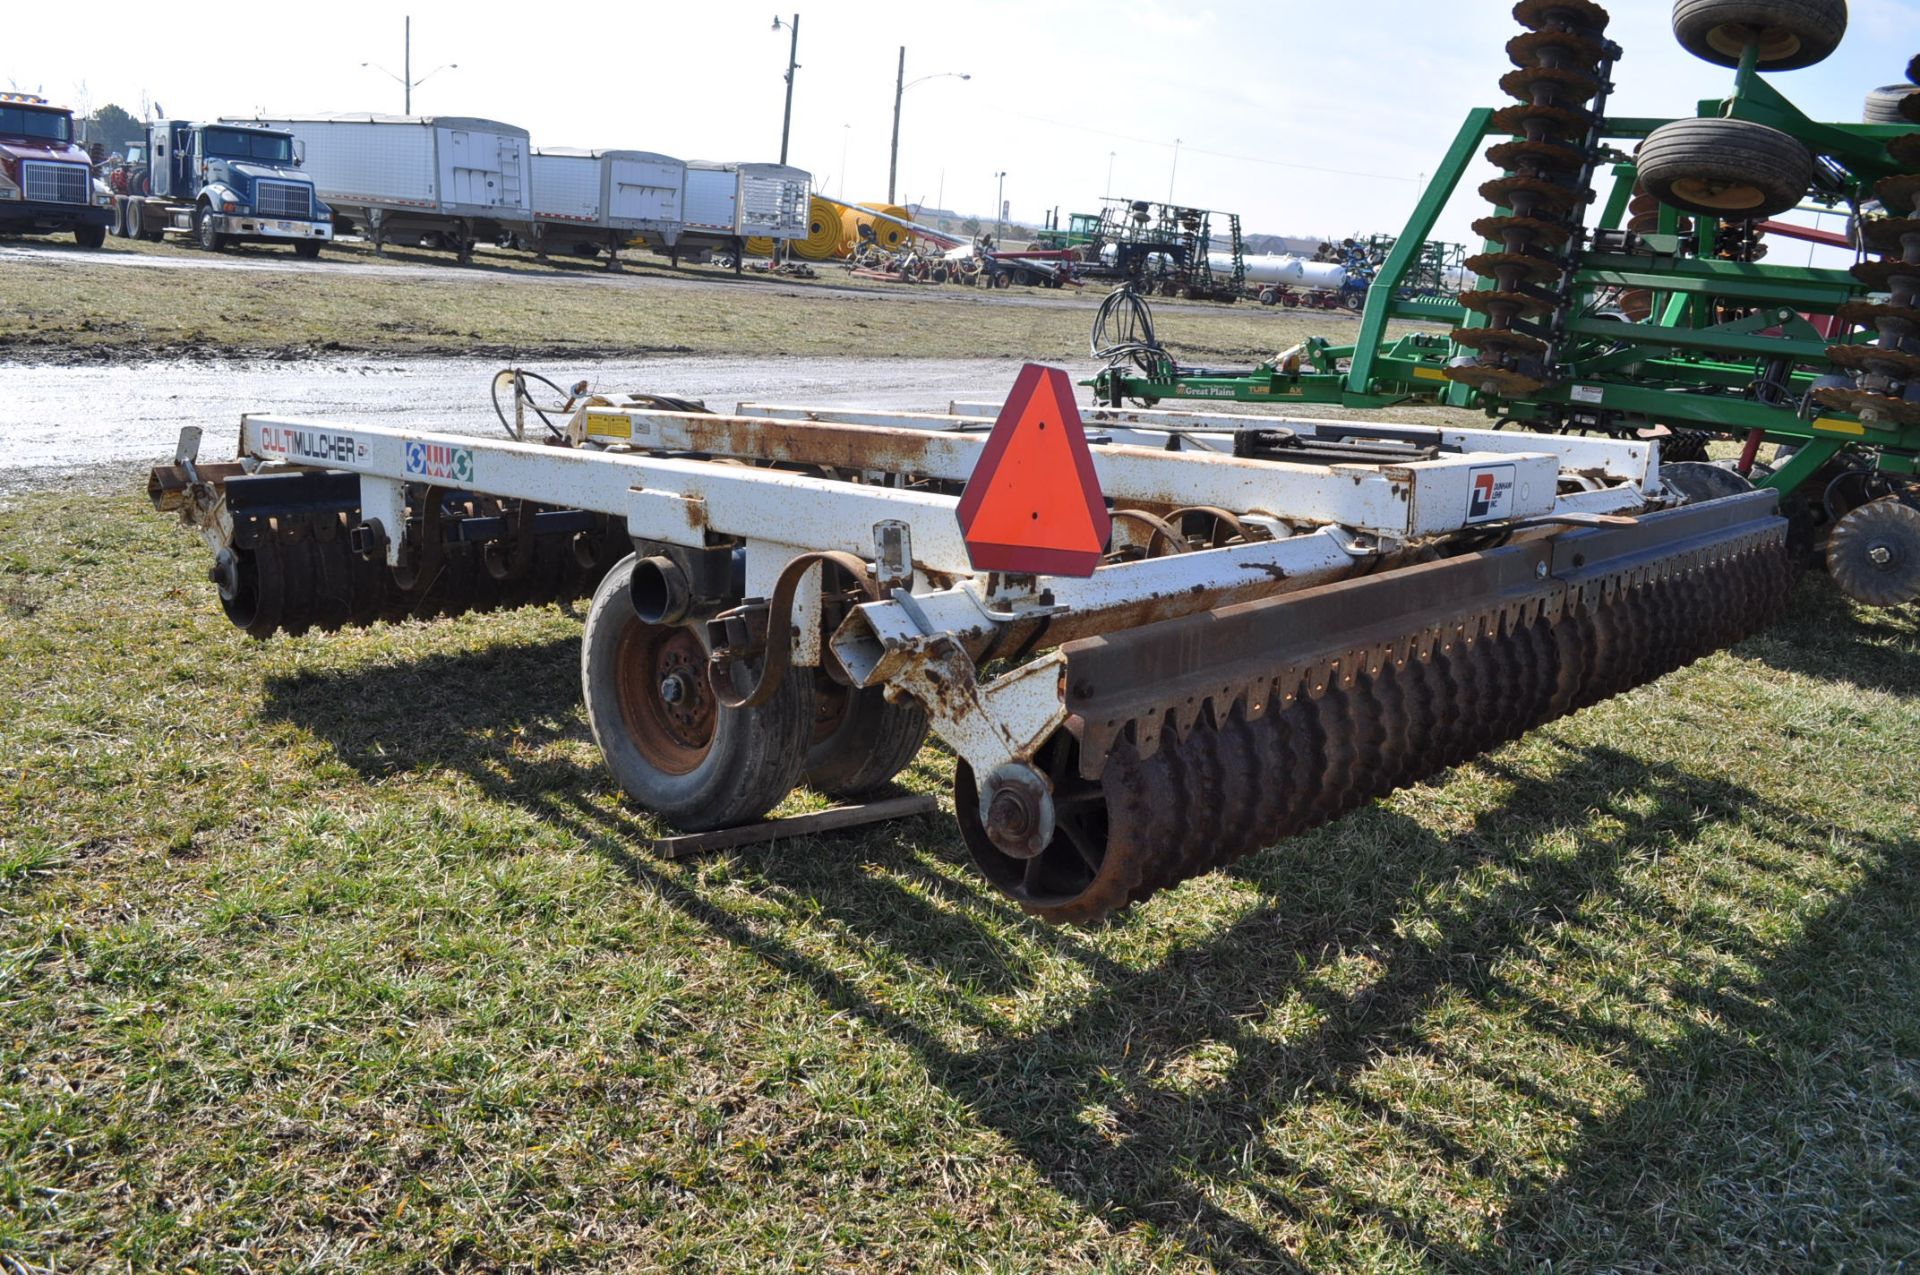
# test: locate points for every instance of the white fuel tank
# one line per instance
(1286, 270)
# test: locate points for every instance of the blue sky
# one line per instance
(1306, 118)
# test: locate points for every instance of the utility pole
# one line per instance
(407, 82)
(1174, 169)
(793, 64)
(999, 205)
(900, 86)
(899, 90)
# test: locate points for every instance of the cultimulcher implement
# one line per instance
(1155, 642)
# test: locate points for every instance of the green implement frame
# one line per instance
(1688, 366)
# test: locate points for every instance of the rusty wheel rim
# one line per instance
(1722, 196)
(1072, 864)
(830, 704)
(665, 701)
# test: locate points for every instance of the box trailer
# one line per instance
(452, 180)
(728, 204)
(585, 200)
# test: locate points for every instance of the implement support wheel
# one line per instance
(860, 741)
(1790, 33)
(1725, 168)
(668, 741)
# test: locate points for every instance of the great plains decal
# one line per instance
(440, 462)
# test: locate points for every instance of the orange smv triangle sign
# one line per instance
(1033, 504)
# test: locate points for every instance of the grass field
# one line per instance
(340, 953)
(505, 306)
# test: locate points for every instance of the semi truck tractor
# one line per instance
(46, 181)
(224, 184)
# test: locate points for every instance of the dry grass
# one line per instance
(507, 305)
(340, 953)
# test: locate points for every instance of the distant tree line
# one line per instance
(113, 128)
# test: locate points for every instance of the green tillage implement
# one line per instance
(1682, 367)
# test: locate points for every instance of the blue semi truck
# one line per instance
(224, 184)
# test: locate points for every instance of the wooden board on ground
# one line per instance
(838, 819)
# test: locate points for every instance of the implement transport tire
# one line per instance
(307, 249)
(1700, 480)
(90, 236)
(666, 738)
(1883, 104)
(1725, 168)
(1791, 33)
(860, 741)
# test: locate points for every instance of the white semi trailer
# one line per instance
(586, 200)
(450, 180)
(728, 204)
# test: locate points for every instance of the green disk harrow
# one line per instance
(1662, 318)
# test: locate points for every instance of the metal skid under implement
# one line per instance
(1291, 618)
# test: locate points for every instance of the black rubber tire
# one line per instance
(1792, 33)
(756, 753)
(873, 741)
(1700, 481)
(307, 249)
(204, 234)
(1883, 104)
(90, 236)
(1725, 168)
(1269, 297)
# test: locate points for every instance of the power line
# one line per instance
(1201, 150)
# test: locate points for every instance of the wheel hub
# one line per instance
(1017, 808)
(665, 700)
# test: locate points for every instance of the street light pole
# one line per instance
(793, 64)
(900, 87)
(407, 83)
(899, 91)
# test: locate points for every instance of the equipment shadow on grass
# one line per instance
(1312, 1000)
(1826, 637)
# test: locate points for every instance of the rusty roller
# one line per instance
(1173, 765)
(1560, 78)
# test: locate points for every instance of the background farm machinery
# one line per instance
(1168, 249)
(1661, 318)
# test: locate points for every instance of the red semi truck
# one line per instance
(46, 181)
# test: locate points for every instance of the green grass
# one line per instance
(340, 953)
(506, 306)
